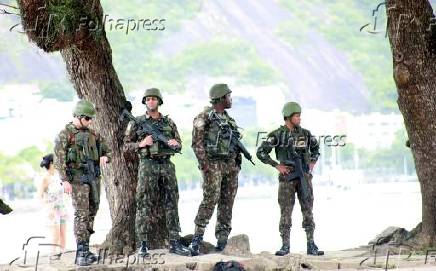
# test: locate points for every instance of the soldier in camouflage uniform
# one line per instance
(156, 173)
(286, 140)
(220, 166)
(79, 152)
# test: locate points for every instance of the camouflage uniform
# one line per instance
(279, 140)
(220, 182)
(71, 151)
(156, 177)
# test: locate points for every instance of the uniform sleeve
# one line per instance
(131, 143)
(198, 137)
(313, 148)
(60, 154)
(176, 132)
(265, 148)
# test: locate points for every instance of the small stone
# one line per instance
(238, 245)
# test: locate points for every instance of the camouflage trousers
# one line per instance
(85, 208)
(156, 180)
(286, 199)
(220, 185)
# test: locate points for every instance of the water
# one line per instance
(344, 218)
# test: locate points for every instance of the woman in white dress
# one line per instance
(52, 194)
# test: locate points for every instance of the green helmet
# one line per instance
(291, 108)
(153, 92)
(84, 108)
(219, 90)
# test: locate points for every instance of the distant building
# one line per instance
(375, 130)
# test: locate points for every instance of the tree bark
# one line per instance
(411, 31)
(87, 53)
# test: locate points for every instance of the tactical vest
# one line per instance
(159, 148)
(82, 145)
(292, 144)
(218, 136)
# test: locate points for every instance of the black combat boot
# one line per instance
(177, 248)
(82, 254)
(221, 244)
(284, 250)
(195, 245)
(143, 249)
(312, 249)
(91, 256)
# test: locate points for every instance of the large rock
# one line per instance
(390, 235)
(238, 245)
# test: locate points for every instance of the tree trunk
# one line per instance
(81, 39)
(411, 31)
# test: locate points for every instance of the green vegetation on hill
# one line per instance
(340, 22)
(138, 61)
(137, 57)
(63, 92)
(17, 171)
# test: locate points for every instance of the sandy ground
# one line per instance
(344, 218)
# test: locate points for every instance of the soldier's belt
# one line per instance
(158, 159)
(77, 171)
(226, 158)
(77, 166)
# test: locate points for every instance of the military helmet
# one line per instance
(219, 90)
(153, 92)
(291, 108)
(84, 108)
